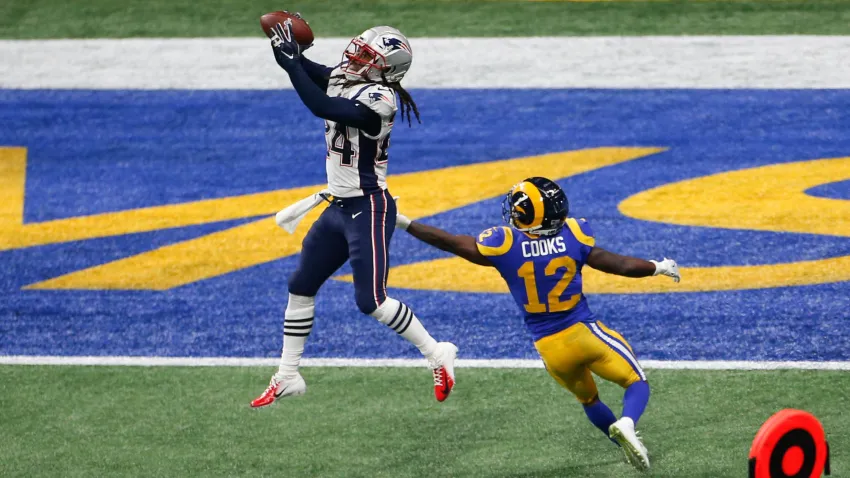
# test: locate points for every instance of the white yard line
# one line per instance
(537, 62)
(348, 362)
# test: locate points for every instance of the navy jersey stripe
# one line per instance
(366, 165)
(361, 91)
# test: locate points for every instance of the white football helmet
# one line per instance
(377, 50)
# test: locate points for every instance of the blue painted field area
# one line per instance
(91, 152)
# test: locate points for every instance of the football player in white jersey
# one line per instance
(357, 99)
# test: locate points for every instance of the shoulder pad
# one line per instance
(581, 231)
(380, 99)
(495, 241)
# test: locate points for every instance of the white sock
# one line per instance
(401, 318)
(297, 324)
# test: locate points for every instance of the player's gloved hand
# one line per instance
(401, 221)
(298, 16)
(286, 50)
(667, 267)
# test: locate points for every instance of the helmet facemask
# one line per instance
(380, 54)
(361, 60)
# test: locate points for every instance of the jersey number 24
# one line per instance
(554, 302)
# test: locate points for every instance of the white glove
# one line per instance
(667, 267)
(401, 221)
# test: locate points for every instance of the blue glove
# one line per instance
(286, 50)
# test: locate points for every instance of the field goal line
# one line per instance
(365, 362)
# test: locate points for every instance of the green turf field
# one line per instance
(354, 422)
(184, 18)
(68, 421)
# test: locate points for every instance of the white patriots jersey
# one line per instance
(357, 162)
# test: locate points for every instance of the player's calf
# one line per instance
(599, 414)
(401, 318)
(297, 324)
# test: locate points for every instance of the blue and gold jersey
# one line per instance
(543, 273)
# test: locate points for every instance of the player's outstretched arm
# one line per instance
(459, 245)
(627, 266)
(320, 74)
(287, 53)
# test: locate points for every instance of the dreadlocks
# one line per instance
(407, 103)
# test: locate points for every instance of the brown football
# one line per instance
(300, 29)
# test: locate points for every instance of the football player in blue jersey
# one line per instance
(357, 99)
(540, 255)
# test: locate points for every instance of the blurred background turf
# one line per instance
(416, 18)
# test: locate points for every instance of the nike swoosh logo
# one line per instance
(354, 216)
(281, 392)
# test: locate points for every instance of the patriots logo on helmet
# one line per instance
(395, 44)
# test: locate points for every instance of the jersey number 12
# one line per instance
(555, 304)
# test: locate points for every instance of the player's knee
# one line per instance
(632, 379)
(387, 311)
(587, 400)
(367, 304)
(301, 285)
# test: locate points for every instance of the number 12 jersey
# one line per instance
(543, 273)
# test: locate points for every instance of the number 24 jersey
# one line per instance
(357, 162)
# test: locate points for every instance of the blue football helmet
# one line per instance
(536, 206)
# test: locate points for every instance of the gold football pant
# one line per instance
(573, 353)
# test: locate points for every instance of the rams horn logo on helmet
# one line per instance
(536, 205)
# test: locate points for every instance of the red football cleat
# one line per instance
(442, 364)
(289, 387)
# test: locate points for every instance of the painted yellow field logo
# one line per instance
(769, 198)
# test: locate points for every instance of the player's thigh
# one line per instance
(368, 236)
(579, 381)
(565, 362)
(324, 251)
(612, 356)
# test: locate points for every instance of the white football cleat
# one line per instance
(623, 432)
(281, 387)
(442, 363)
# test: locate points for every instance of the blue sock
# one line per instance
(635, 400)
(600, 415)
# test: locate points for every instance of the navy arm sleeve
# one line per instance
(320, 74)
(340, 110)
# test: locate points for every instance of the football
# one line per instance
(300, 28)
